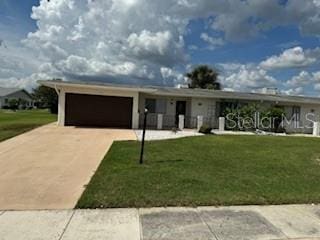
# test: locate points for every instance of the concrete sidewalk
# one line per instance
(225, 223)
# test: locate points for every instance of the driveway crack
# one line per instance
(67, 225)
(204, 222)
(140, 225)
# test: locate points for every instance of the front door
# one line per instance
(180, 110)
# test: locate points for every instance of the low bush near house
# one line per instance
(253, 116)
(205, 129)
(175, 129)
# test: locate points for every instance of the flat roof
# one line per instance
(186, 92)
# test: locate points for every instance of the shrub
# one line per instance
(205, 129)
(241, 118)
(244, 118)
(275, 116)
(175, 129)
(13, 104)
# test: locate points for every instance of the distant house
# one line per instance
(122, 106)
(22, 96)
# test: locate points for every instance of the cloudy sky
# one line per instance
(252, 43)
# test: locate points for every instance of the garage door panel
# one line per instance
(101, 111)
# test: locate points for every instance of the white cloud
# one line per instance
(230, 67)
(293, 91)
(212, 41)
(317, 86)
(240, 20)
(298, 83)
(300, 80)
(293, 57)
(248, 78)
(159, 47)
(134, 40)
(150, 43)
(124, 39)
(305, 14)
(175, 76)
(304, 78)
(193, 47)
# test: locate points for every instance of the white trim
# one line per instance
(55, 88)
(94, 87)
(61, 108)
(101, 92)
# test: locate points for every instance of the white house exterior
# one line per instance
(111, 105)
(6, 94)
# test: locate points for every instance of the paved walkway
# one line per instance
(152, 135)
(47, 168)
(226, 223)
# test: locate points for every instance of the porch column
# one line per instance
(199, 122)
(221, 124)
(316, 128)
(61, 108)
(160, 121)
(135, 111)
(181, 122)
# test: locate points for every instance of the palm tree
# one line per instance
(204, 77)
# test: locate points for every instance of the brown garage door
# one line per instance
(96, 110)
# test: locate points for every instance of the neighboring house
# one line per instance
(121, 106)
(7, 94)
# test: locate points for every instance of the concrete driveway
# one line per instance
(47, 168)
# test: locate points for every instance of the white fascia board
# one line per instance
(62, 85)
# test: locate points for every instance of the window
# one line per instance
(156, 105)
(6, 100)
(150, 104)
(296, 113)
(161, 106)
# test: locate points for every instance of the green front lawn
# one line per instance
(15, 123)
(209, 170)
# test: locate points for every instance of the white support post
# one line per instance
(316, 128)
(181, 122)
(61, 108)
(199, 122)
(221, 124)
(160, 121)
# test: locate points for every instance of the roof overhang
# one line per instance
(186, 93)
(63, 85)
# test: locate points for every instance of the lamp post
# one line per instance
(143, 134)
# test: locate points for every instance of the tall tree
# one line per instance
(204, 77)
(46, 97)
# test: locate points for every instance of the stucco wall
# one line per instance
(170, 103)
(208, 108)
(308, 113)
(194, 106)
(203, 106)
(103, 92)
